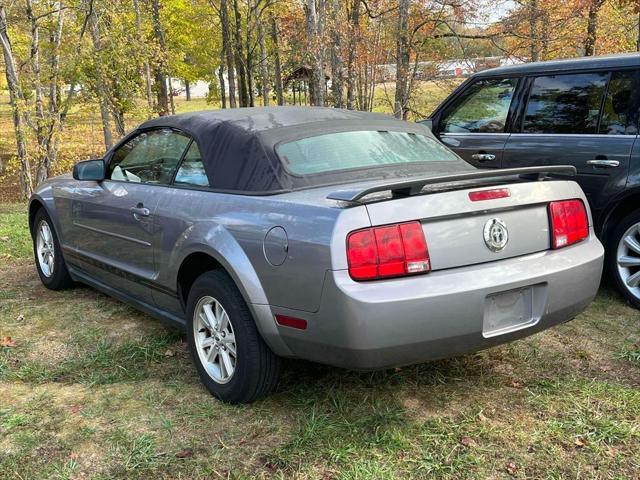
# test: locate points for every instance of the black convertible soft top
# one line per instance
(238, 145)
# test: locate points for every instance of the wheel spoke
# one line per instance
(219, 314)
(628, 261)
(224, 321)
(631, 242)
(207, 342)
(209, 317)
(634, 280)
(226, 361)
(211, 356)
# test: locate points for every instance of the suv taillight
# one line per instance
(569, 222)
(388, 251)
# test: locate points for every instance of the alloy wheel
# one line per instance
(628, 259)
(215, 339)
(45, 249)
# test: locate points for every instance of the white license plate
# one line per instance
(508, 311)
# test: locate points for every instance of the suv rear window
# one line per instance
(565, 103)
(359, 149)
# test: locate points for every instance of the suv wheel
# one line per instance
(48, 255)
(624, 258)
(231, 357)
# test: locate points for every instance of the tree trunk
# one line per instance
(228, 51)
(277, 67)
(337, 67)
(42, 160)
(101, 88)
(354, 33)
(160, 69)
(239, 55)
(16, 100)
(314, 32)
(145, 63)
(171, 102)
(638, 41)
(533, 27)
(187, 90)
(402, 61)
(223, 93)
(592, 27)
(264, 68)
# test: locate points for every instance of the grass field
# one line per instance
(90, 388)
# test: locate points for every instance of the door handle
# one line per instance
(601, 163)
(483, 157)
(139, 211)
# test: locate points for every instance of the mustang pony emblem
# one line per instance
(496, 234)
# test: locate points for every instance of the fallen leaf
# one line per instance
(20, 318)
(580, 442)
(611, 452)
(4, 239)
(481, 417)
(397, 369)
(531, 448)
(75, 409)
(169, 353)
(74, 456)
(605, 368)
(511, 468)
(7, 342)
(468, 442)
(517, 384)
(186, 453)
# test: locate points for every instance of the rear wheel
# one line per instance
(231, 357)
(624, 258)
(48, 255)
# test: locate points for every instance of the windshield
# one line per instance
(360, 149)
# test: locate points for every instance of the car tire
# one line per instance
(623, 258)
(240, 370)
(50, 264)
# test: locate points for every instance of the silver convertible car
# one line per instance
(341, 237)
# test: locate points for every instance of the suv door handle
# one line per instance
(139, 211)
(601, 163)
(483, 157)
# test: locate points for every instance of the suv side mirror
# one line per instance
(89, 170)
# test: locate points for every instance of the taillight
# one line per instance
(480, 195)
(388, 251)
(569, 222)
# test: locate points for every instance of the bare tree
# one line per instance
(277, 66)
(239, 56)
(162, 92)
(315, 23)
(337, 67)
(16, 98)
(354, 34)
(145, 61)
(101, 87)
(402, 61)
(228, 52)
(264, 67)
(592, 27)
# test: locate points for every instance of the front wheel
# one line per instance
(624, 258)
(48, 255)
(231, 357)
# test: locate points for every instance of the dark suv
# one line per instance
(582, 112)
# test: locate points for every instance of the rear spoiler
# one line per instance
(413, 186)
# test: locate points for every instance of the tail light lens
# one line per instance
(388, 251)
(569, 222)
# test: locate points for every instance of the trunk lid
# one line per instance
(459, 231)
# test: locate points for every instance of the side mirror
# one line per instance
(89, 170)
(427, 122)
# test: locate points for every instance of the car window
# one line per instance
(191, 171)
(483, 108)
(150, 157)
(620, 108)
(565, 103)
(359, 149)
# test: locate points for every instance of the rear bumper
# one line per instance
(371, 325)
